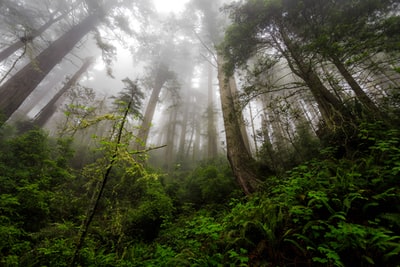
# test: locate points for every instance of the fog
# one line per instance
(139, 40)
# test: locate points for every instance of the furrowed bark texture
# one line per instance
(239, 158)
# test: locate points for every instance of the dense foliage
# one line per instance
(327, 211)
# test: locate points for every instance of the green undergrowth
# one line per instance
(325, 212)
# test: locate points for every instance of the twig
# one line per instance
(13, 65)
(147, 150)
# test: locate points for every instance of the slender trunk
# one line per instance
(279, 139)
(253, 129)
(240, 160)
(267, 143)
(17, 88)
(89, 218)
(187, 154)
(184, 124)
(169, 159)
(196, 145)
(361, 95)
(47, 111)
(182, 141)
(303, 108)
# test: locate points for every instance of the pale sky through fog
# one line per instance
(167, 6)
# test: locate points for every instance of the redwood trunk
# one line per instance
(148, 117)
(162, 76)
(19, 44)
(17, 88)
(361, 95)
(169, 155)
(47, 111)
(239, 158)
(234, 95)
(330, 107)
(212, 149)
(184, 124)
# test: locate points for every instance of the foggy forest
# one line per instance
(199, 133)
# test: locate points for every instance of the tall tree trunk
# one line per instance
(253, 129)
(267, 144)
(361, 95)
(17, 88)
(279, 137)
(196, 145)
(212, 148)
(47, 111)
(169, 158)
(330, 107)
(238, 108)
(35, 33)
(161, 76)
(239, 158)
(184, 124)
(303, 107)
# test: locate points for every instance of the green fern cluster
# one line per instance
(329, 212)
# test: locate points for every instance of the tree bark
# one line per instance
(184, 124)
(212, 149)
(253, 129)
(239, 158)
(361, 95)
(20, 43)
(330, 107)
(17, 88)
(196, 145)
(238, 108)
(161, 76)
(171, 129)
(47, 111)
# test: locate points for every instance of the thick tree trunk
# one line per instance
(148, 117)
(240, 160)
(238, 108)
(47, 111)
(20, 43)
(17, 88)
(212, 149)
(162, 75)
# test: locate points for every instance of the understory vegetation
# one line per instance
(327, 211)
(259, 133)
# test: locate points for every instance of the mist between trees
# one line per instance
(121, 124)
